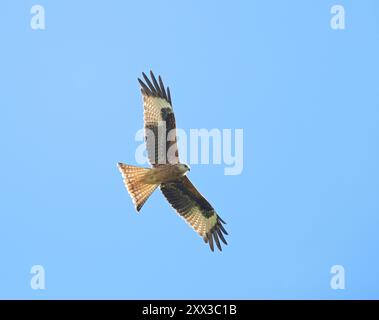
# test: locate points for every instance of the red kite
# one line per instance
(166, 171)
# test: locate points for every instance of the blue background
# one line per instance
(305, 95)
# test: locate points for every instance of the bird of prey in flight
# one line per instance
(166, 171)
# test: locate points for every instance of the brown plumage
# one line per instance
(166, 171)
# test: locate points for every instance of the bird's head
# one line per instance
(184, 167)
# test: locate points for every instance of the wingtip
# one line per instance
(220, 235)
(221, 220)
(222, 228)
(210, 239)
(152, 87)
(215, 237)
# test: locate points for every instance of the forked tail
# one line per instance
(137, 188)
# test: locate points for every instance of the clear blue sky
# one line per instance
(305, 95)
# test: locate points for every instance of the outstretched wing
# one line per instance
(159, 122)
(196, 210)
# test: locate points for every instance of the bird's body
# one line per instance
(166, 171)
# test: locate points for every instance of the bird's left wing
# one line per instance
(196, 210)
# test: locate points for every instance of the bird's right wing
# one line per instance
(159, 122)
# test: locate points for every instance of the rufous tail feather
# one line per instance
(133, 180)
